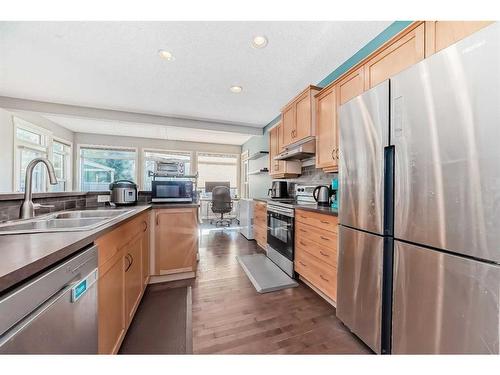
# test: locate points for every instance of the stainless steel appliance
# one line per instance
(419, 256)
(445, 126)
(55, 313)
(279, 190)
(280, 232)
(303, 149)
(321, 195)
(172, 191)
(364, 239)
(123, 192)
(170, 168)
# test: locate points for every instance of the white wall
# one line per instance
(7, 141)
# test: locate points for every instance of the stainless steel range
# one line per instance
(280, 227)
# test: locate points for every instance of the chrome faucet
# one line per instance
(28, 207)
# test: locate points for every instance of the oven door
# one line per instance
(280, 231)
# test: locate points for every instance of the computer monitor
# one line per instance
(209, 185)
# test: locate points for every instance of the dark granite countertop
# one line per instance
(24, 255)
(327, 210)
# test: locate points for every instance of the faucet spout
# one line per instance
(27, 207)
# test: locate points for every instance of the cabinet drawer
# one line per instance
(320, 221)
(323, 253)
(318, 273)
(321, 237)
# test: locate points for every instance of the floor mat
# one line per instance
(264, 274)
(162, 323)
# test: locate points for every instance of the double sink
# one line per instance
(64, 221)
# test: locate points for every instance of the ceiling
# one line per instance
(115, 65)
(83, 125)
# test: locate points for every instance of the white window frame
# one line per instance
(105, 147)
(215, 153)
(192, 156)
(68, 161)
(19, 123)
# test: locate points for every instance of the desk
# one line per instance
(207, 214)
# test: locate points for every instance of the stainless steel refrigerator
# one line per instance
(445, 127)
(365, 231)
(419, 248)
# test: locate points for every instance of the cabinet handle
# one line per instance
(333, 154)
(302, 243)
(324, 238)
(157, 219)
(145, 226)
(130, 261)
(337, 153)
(324, 278)
(302, 230)
(302, 264)
(325, 255)
(324, 222)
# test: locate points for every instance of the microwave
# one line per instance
(170, 168)
(172, 191)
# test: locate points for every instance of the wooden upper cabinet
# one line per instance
(400, 54)
(326, 129)
(176, 240)
(441, 34)
(303, 125)
(288, 125)
(298, 117)
(351, 86)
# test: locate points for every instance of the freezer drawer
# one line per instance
(359, 284)
(445, 117)
(364, 132)
(444, 304)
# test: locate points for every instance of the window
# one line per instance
(101, 166)
(61, 159)
(218, 167)
(151, 156)
(30, 142)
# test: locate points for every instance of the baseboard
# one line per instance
(321, 294)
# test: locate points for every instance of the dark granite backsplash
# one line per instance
(9, 208)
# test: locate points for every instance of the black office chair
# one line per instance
(221, 204)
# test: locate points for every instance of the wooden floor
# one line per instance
(229, 316)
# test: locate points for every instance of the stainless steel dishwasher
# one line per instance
(56, 312)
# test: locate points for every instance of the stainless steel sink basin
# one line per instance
(65, 221)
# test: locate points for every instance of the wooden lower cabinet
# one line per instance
(176, 240)
(260, 223)
(316, 251)
(134, 283)
(121, 280)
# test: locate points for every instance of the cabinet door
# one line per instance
(326, 132)
(133, 276)
(303, 123)
(288, 125)
(441, 34)
(351, 86)
(145, 250)
(111, 304)
(399, 55)
(176, 240)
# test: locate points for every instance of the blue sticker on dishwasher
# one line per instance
(78, 290)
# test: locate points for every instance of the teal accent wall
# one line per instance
(371, 46)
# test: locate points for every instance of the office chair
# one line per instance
(221, 204)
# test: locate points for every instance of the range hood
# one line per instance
(304, 149)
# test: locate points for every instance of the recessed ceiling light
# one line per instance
(260, 41)
(166, 55)
(236, 89)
